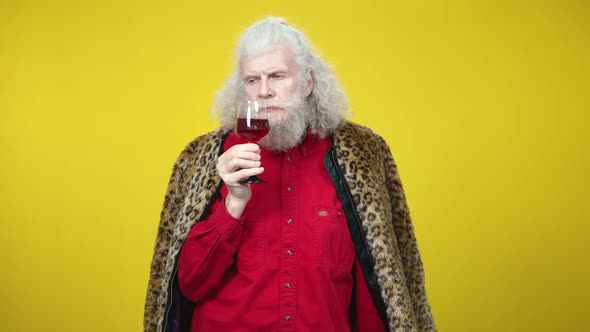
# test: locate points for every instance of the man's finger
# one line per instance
(237, 153)
(235, 178)
(236, 164)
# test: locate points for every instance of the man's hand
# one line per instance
(233, 166)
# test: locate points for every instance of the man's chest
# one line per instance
(295, 219)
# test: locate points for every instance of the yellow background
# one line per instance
(484, 103)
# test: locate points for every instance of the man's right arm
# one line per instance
(208, 252)
(211, 245)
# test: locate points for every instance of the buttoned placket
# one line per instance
(288, 268)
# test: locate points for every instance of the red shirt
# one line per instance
(288, 264)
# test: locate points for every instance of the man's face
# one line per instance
(272, 75)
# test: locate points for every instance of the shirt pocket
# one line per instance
(333, 247)
(252, 249)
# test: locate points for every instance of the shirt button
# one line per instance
(288, 285)
(289, 221)
(289, 189)
(289, 252)
(288, 159)
(287, 317)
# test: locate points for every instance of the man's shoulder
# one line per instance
(349, 132)
(356, 143)
(203, 145)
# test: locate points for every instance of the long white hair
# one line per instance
(327, 101)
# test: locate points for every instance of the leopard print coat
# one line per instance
(370, 174)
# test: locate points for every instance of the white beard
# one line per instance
(287, 126)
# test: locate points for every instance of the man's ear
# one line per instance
(310, 82)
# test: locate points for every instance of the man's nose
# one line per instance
(265, 91)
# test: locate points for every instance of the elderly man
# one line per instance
(326, 244)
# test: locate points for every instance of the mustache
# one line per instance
(285, 104)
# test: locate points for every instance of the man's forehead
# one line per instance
(272, 58)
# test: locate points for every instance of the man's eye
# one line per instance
(251, 81)
(277, 77)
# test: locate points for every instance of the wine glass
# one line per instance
(252, 125)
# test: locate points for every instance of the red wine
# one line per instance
(254, 132)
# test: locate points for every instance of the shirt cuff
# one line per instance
(225, 223)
